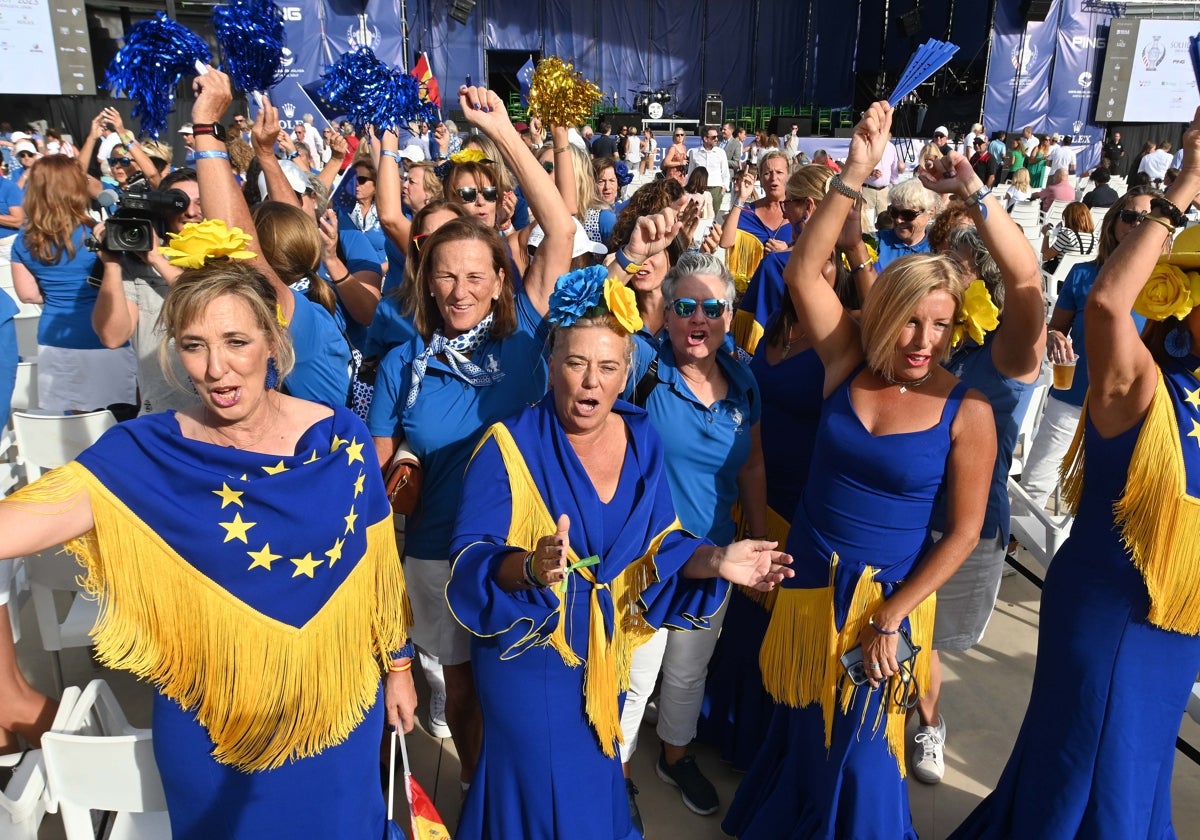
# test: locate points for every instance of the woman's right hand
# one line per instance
(871, 136)
(549, 563)
(1059, 348)
(265, 131)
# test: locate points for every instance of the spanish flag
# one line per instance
(430, 92)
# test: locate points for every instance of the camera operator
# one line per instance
(132, 290)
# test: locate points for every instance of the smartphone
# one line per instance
(852, 659)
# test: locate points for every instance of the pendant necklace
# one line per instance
(905, 385)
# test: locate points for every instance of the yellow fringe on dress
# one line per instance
(777, 529)
(743, 259)
(1159, 521)
(265, 691)
(800, 655)
(746, 331)
(606, 671)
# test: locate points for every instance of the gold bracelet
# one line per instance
(399, 669)
(1160, 220)
(565, 148)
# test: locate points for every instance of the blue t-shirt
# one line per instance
(68, 297)
(450, 416)
(1072, 298)
(11, 197)
(322, 370)
(396, 260)
(358, 255)
(389, 328)
(706, 446)
(8, 355)
(373, 232)
(892, 249)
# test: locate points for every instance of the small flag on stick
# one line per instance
(929, 58)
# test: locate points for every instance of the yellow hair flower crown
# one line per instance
(979, 315)
(198, 242)
(559, 95)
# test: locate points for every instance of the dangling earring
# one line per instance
(1178, 342)
(272, 374)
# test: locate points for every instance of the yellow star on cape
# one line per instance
(244, 477)
(229, 496)
(305, 565)
(1193, 397)
(358, 484)
(335, 554)
(275, 470)
(337, 443)
(350, 518)
(264, 558)
(236, 530)
(354, 450)
(312, 458)
(1195, 432)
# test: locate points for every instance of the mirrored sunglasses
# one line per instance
(712, 307)
(469, 194)
(120, 161)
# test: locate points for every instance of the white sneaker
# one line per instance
(927, 763)
(436, 715)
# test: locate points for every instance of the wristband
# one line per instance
(399, 669)
(561, 149)
(349, 274)
(1168, 210)
(976, 198)
(627, 265)
(531, 578)
(393, 154)
(210, 155)
(293, 155)
(879, 629)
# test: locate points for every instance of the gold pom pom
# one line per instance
(469, 156)
(558, 95)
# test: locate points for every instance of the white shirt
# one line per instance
(1029, 144)
(1061, 157)
(888, 168)
(715, 161)
(1156, 164)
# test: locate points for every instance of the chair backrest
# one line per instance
(1053, 282)
(23, 801)
(1033, 414)
(1054, 215)
(1025, 214)
(27, 330)
(46, 441)
(25, 393)
(1098, 214)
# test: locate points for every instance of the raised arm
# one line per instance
(388, 195)
(1121, 371)
(834, 334)
(264, 134)
(485, 111)
(135, 150)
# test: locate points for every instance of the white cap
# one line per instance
(413, 153)
(18, 136)
(295, 176)
(1055, 137)
(576, 139)
(583, 243)
(24, 146)
(942, 130)
(187, 129)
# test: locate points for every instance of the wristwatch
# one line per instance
(214, 129)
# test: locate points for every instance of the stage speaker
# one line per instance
(461, 10)
(629, 119)
(910, 24)
(1035, 10)
(714, 112)
(781, 126)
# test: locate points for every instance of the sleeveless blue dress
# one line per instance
(1096, 750)
(868, 500)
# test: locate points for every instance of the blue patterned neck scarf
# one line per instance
(455, 350)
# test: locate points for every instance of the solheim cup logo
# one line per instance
(1022, 57)
(289, 110)
(1153, 53)
(364, 37)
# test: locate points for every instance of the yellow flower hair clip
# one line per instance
(979, 315)
(469, 156)
(622, 303)
(199, 242)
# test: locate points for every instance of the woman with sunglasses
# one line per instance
(897, 431)
(911, 208)
(1119, 629)
(364, 216)
(476, 358)
(676, 153)
(650, 199)
(127, 160)
(1065, 342)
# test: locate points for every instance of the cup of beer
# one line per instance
(1064, 374)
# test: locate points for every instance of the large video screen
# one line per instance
(1148, 75)
(44, 48)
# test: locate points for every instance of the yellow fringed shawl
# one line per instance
(1159, 521)
(800, 656)
(265, 691)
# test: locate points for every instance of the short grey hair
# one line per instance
(969, 239)
(911, 194)
(694, 263)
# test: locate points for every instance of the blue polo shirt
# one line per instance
(66, 319)
(389, 328)
(358, 255)
(450, 416)
(322, 370)
(705, 445)
(11, 197)
(8, 354)
(892, 249)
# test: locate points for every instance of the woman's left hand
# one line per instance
(327, 227)
(508, 206)
(772, 245)
(265, 131)
(754, 563)
(400, 699)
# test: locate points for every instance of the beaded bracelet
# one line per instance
(879, 629)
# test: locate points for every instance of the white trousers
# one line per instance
(683, 658)
(1050, 443)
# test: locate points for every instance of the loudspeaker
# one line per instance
(781, 126)
(1035, 10)
(460, 10)
(910, 24)
(714, 112)
(630, 119)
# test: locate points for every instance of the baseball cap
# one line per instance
(295, 175)
(582, 245)
(979, 141)
(942, 130)
(413, 153)
(24, 146)
(18, 136)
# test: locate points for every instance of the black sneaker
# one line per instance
(698, 793)
(634, 813)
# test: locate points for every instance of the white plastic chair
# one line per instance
(23, 802)
(1052, 282)
(1025, 214)
(46, 441)
(1098, 214)
(1054, 215)
(1037, 531)
(27, 330)
(98, 762)
(25, 392)
(1193, 705)
(1033, 415)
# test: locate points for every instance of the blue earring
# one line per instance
(272, 374)
(1178, 342)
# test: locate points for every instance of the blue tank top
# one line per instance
(869, 498)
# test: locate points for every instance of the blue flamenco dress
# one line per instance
(832, 763)
(551, 665)
(1095, 754)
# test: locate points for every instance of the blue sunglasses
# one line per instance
(712, 308)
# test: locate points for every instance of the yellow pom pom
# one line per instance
(469, 156)
(198, 242)
(558, 95)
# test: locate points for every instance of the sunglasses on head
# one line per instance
(1131, 217)
(469, 194)
(548, 166)
(712, 307)
(903, 214)
(121, 161)
(418, 238)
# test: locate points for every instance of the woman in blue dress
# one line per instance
(569, 555)
(1119, 631)
(897, 430)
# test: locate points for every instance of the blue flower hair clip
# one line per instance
(575, 293)
(624, 176)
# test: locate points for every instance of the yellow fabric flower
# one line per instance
(979, 315)
(1169, 291)
(207, 240)
(622, 303)
(741, 283)
(469, 156)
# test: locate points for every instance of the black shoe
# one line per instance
(698, 793)
(634, 813)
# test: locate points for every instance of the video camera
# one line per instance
(139, 212)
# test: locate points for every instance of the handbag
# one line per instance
(403, 481)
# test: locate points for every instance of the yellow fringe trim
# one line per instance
(743, 259)
(800, 656)
(266, 692)
(606, 671)
(746, 331)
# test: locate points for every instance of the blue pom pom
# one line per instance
(624, 176)
(156, 56)
(369, 92)
(251, 36)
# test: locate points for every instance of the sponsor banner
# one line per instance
(1018, 85)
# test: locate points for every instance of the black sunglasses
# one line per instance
(121, 161)
(681, 134)
(364, 179)
(25, 154)
(1131, 217)
(901, 214)
(712, 307)
(548, 166)
(418, 238)
(469, 194)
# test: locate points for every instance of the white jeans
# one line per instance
(1054, 435)
(683, 657)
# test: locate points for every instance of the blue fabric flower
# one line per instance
(624, 176)
(575, 293)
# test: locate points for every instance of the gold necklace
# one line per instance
(787, 345)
